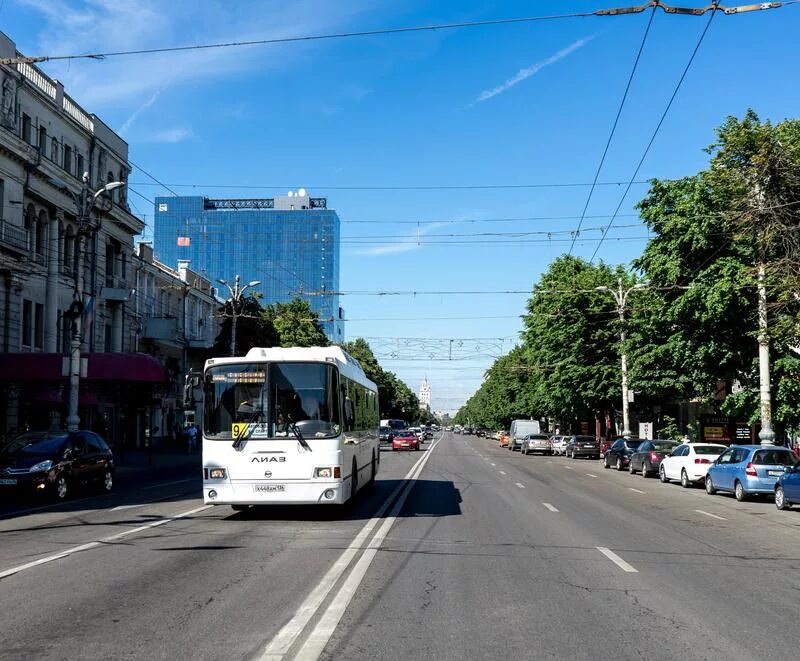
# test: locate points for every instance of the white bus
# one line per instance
(288, 426)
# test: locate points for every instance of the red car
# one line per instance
(405, 439)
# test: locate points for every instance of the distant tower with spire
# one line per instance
(425, 395)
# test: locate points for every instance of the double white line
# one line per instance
(319, 636)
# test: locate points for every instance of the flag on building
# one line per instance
(88, 316)
(184, 241)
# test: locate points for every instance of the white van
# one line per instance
(519, 430)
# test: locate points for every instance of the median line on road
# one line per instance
(550, 507)
(90, 545)
(636, 490)
(590, 475)
(569, 468)
(520, 485)
(624, 566)
(713, 516)
(502, 472)
(283, 641)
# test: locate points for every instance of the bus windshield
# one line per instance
(264, 400)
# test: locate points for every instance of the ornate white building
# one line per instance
(425, 395)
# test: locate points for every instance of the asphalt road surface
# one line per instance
(463, 551)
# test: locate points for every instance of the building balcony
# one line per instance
(13, 237)
(161, 329)
(116, 290)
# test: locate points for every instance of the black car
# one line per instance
(619, 454)
(55, 462)
(583, 446)
(386, 434)
(648, 456)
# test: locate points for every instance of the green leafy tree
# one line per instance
(296, 324)
(253, 329)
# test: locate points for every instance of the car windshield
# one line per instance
(664, 446)
(404, 434)
(34, 444)
(773, 457)
(632, 445)
(708, 449)
(538, 437)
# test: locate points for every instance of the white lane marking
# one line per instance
(713, 516)
(502, 472)
(619, 562)
(314, 645)
(119, 508)
(287, 636)
(550, 507)
(521, 486)
(569, 468)
(105, 540)
(636, 490)
(549, 462)
(494, 464)
(590, 475)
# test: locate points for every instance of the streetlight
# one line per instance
(621, 297)
(236, 296)
(84, 203)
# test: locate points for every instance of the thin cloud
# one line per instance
(524, 74)
(172, 135)
(129, 122)
(411, 242)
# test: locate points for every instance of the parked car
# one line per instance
(583, 446)
(405, 439)
(386, 434)
(559, 443)
(747, 470)
(56, 462)
(787, 488)
(689, 462)
(536, 443)
(606, 443)
(504, 440)
(619, 454)
(648, 456)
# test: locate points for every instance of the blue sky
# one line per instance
(516, 104)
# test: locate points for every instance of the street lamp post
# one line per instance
(84, 202)
(236, 296)
(621, 297)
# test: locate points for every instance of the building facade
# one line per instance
(288, 243)
(425, 395)
(47, 143)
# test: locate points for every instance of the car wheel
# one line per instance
(61, 487)
(619, 463)
(605, 462)
(780, 498)
(645, 470)
(108, 481)
(685, 482)
(662, 474)
(354, 480)
(631, 469)
(372, 472)
(239, 508)
(739, 492)
(710, 488)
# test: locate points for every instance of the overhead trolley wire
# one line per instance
(613, 127)
(658, 126)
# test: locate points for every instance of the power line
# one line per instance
(613, 127)
(409, 29)
(715, 5)
(145, 172)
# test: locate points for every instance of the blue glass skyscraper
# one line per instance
(289, 243)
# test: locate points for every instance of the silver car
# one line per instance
(559, 443)
(537, 443)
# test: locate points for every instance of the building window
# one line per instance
(38, 327)
(79, 172)
(2, 199)
(69, 248)
(26, 128)
(68, 158)
(27, 322)
(54, 151)
(108, 338)
(43, 141)
(41, 230)
(30, 226)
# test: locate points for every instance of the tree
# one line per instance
(296, 325)
(253, 329)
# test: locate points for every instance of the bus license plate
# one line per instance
(268, 488)
(8, 483)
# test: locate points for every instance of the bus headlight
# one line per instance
(216, 473)
(325, 471)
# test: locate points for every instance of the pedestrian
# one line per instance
(686, 439)
(191, 437)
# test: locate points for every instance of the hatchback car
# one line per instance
(747, 470)
(405, 439)
(536, 443)
(619, 454)
(787, 488)
(583, 446)
(648, 456)
(386, 434)
(55, 462)
(558, 443)
(689, 462)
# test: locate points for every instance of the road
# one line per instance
(465, 551)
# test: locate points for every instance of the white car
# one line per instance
(559, 443)
(689, 462)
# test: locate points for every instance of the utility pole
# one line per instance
(84, 201)
(236, 296)
(766, 435)
(621, 297)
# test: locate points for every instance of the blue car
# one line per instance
(747, 470)
(787, 488)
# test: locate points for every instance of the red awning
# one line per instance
(121, 367)
(140, 367)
